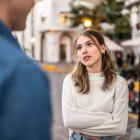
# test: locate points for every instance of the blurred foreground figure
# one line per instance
(25, 112)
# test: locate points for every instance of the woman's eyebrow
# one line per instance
(85, 42)
(78, 45)
(88, 41)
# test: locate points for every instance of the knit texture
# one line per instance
(98, 113)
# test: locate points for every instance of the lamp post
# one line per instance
(32, 40)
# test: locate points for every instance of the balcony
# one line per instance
(130, 3)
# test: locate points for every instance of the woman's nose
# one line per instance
(84, 50)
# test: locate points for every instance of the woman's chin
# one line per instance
(89, 65)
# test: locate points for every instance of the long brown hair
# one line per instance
(80, 74)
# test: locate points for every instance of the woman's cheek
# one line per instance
(79, 55)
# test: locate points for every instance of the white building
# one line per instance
(50, 27)
(134, 7)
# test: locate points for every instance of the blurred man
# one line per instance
(25, 112)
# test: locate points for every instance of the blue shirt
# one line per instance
(25, 111)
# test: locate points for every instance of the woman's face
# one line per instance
(88, 53)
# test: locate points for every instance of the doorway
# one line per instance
(65, 48)
(63, 52)
(42, 48)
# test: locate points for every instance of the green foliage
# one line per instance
(108, 11)
(78, 13)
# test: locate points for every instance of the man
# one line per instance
(25, 112)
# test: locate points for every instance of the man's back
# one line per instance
(25, 112)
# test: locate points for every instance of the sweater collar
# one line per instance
(96, 76)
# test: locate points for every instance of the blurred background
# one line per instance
(52, 26)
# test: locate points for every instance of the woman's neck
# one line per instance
(94, 69)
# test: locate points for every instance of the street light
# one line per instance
(44, 14)
(87, 23)
(32, 40)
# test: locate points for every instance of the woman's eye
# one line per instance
(78, 48)
(89, 44)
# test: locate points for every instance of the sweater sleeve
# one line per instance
(118, 125)
(75, 118)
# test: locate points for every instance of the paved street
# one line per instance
(59, 132)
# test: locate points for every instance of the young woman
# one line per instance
(94, 98)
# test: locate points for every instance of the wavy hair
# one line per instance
(80, 74)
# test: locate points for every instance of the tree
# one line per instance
(108, 11)
(112, 13)
(80, 13)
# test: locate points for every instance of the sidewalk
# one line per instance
(132, 133)
(132, 124)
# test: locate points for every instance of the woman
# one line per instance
(94, 98)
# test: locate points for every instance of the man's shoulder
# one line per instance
(11, 55)
(26, 64)
(4, 40)
(9, 48)
(13, 59)
(27, 70)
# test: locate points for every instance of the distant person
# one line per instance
(119, 59)
(25, 111)
(130, 59)
(94, 97)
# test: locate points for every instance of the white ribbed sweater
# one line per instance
(97, 113)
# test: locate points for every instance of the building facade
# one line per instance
(48, 36)
(134, 7)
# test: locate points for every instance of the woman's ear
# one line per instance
(103, 48)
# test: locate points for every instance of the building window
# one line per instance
(43, 16)
(65, 18)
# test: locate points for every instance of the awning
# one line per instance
(112, 46)
(135, 42)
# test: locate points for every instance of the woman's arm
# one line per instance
(118, 125)
(79, 119)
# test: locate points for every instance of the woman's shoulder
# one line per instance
(120, 80)
(68, 81)
(68, 78)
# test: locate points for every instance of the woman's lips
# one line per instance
(86, 58)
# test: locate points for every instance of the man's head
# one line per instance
(14, 13)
